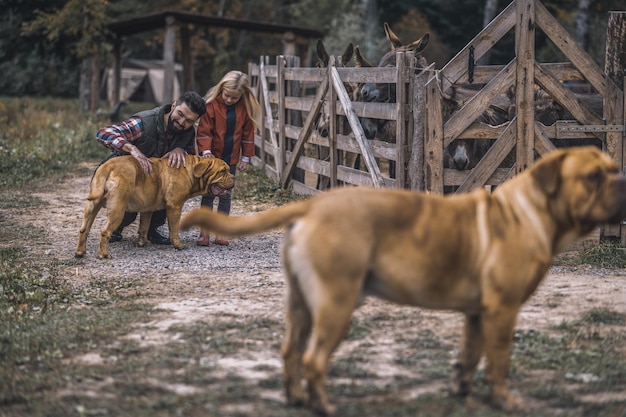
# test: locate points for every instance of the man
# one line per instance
(166, 131)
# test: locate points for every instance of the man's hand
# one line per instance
(144, 162)
(176, 158)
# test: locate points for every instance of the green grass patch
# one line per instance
(606, 254)
(252, 187)
(42, 137)
(577, 360)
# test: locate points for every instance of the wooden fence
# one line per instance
(292, 151)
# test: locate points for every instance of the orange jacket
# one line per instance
(212, 129)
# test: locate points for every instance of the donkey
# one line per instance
(322, 62)
(464, 154)
(385, 130)
(323, 121)
(380, 92)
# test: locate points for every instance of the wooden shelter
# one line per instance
(172, 21)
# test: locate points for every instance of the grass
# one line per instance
(44, 322)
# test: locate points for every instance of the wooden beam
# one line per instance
(479, 103)
(357, 129)
(566, 44)
(304, 133)
(169, 45)
(456, 68)
(433, 138)
(492, 159)
(186, 58)
(525, 84)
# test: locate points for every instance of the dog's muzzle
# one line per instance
(219, 191)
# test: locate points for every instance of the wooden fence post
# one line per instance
(280, 93)
(433, 138)
(614, 65)
(332, 126)
(416, 158)
(401, 104)
(525, 81)
(293, 117)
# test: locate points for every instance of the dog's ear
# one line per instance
(547, 173)
(201, 167)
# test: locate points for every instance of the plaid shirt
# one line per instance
(116, 136)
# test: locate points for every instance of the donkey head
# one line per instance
(323, 59)
(381, 92)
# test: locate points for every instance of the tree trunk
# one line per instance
(84, 88)
(582, 23)
(95, 83)
(489, 13)
(372, 27)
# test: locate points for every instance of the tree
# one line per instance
(85, 22)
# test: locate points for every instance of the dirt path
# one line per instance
(244, 281)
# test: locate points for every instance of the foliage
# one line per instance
(83, 20)
(41, 137)
(43, 59)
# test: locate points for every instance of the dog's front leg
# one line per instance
(173, 223)
(469, 356)
(498, 322)
(144, 225)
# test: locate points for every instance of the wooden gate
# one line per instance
(522, 136)
(294, 98)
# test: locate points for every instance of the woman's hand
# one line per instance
(242, 166)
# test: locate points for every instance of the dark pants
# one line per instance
(223, 203)
(158, 219)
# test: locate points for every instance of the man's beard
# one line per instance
(172, 129)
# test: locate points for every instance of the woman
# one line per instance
(226, 131)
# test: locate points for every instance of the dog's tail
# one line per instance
(96, 187)
(219, 223)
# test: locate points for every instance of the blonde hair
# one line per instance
(239, 82)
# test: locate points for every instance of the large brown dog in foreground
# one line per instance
(480, 254)
(122, 185)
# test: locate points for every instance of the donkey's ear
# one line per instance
(359, 59)
(392, 37)
(419, 45)
(347, 54)
(322, 55)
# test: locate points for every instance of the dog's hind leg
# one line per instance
(114, 219)
(297, 331)
(469, 356)
(92, 207)
(332, 302)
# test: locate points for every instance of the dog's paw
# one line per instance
(509, 402)
(105, 255)
(179, 246)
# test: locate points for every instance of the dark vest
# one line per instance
(154, 142)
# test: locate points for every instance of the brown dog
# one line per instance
(121, 184)
(397, 245)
